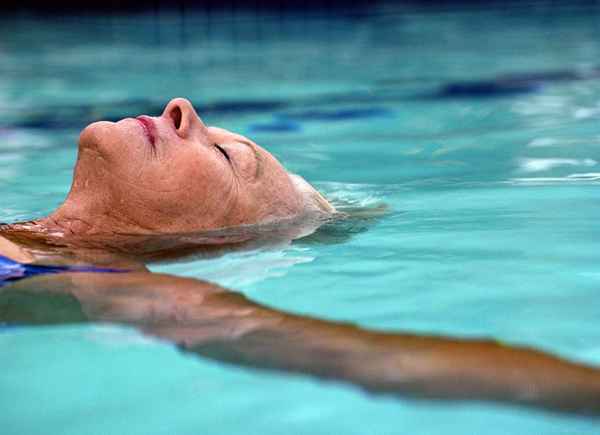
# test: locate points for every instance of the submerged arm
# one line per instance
(213, 322)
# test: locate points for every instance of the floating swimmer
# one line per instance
(165, 186)
(153, 188)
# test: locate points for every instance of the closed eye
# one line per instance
(223, 152)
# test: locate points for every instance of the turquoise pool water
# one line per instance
(493, 191)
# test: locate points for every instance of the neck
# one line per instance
(80, 218)
(45, 241)
(52, 241)
(68, 235)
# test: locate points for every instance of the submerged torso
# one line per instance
(11, 270)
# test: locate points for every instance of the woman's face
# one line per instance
(172, 173)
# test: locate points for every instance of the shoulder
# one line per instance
(13, 251)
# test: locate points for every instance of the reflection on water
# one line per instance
(240, 270)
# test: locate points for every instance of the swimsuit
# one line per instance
(11, 270)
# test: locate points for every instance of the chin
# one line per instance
(92, 136)
(108, 138)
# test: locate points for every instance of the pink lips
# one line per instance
(149, 128)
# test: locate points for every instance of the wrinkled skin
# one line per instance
(150, 189)
(182, 182)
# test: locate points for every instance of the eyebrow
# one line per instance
(257, 155)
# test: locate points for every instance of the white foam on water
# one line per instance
(544, 164)
(542, 142)
(351, 194)
(583, 178)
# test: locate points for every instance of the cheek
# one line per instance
(279, 189)
(184, 181)
(275, 194)
(187, 169)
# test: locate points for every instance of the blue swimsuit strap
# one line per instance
(11, 270)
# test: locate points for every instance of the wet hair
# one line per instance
(313, 200)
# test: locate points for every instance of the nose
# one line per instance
(180, 113)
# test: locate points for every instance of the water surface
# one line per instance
(493, 198)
